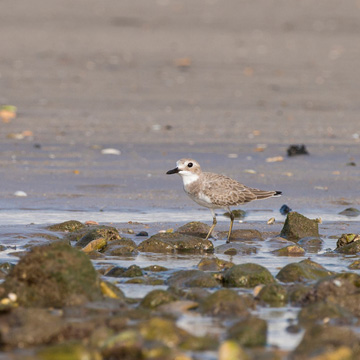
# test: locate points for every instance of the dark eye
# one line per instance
(190, 164)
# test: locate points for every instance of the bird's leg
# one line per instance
(232, 217)
(213, 224)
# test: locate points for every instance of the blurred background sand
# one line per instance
(230, 83)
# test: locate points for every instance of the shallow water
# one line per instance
(20, 228)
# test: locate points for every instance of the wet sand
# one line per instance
(86, 75)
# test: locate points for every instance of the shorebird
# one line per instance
(216, 191)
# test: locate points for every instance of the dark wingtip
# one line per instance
(278, 193)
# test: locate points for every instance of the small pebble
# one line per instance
(294, 150)
(274, 159)
(110, 151)
(20, 193)
(271, 221)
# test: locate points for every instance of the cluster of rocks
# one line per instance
(56, 305)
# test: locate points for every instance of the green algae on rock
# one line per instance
(192, 278)
(108, 233)
(351, 212)
(243, 234)
(236, 249)
(348, 244)
(304, 270)
(156, 298)
(214, 264)
(249, 332)
(67, 226)
(226, 303)
(298, 226)
(273, 294)
(247, 275)
(175, 242)
(290, 250)
(68, 351)
(194, 228)
(53, 275)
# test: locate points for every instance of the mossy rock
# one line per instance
(250, 332)
(298, 226)
(68, 351)
(237, 213)
(145, 281)
(346, 239)
(194, 228)
(327, 342)
(320, 312)
(242, 235)
(290, 250)
(214, 264)
(311, 244)
(304, 270)
(116, 271)
(175, 242)
(54, 275)
(67, 226)
(132, 271)
(234, 248)
(247, 275)
(108, 233)
(122, 247)
(226, 303)
(349, 249)
(273, 294)
(355, 265)
(350, 212)
(192, 278)
(156, 298)
(156, 268)
(340, 289)
(297, 293)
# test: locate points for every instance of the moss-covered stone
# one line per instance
(247, 275)
(298, 226)
(145, 281)
(194, 228)
(249, 332)
(355, 265)
(297, 292)
(351, 212)
(242, 235)
(95, 245)
(214, 264)
(68, 351)
(231, 350)
(237, 213)
(116, 271)
(67, 226)
(322, 311)
(304, 270)
(234, 248)
(340, 289)
(192, 278)
(273, 294)
(175, 242)
(110, 290)
(311, 244)
(53, 275)
(327, 342)
(108, 233)
(290, 250)
(156, 298)
(156, 268)
(346, 239)
(132, 271)
(122, 247)
(227, 303)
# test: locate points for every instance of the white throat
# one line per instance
(188, 177)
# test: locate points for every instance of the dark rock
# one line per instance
(194, 228)
(156, 298)
(67, 226)
(108, 233)
(273, 294)
(192, 278)
(242, 235)
(172, 242)
(214, 264)
(346, 239)
(238, 214)
(327, 342)
(116, 271)
(351, 212)
(53, 275)
(247, 275)
(311, 244)
(122, 247)
(349, 249)
(156, 268)
(142, 233)
(302, 271)
(294, 150)
(297, 293)
(227, 303)
(132, 271)
(284, 210)
(29, 327)
(249, 332)
(340, 289)
(290, 250)
(298, 226)
(145, 281)
(236, 249)
(321, 312)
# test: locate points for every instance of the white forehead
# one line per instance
(183, 162)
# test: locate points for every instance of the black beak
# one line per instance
(173, 171)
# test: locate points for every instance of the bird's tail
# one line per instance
(262, 194)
